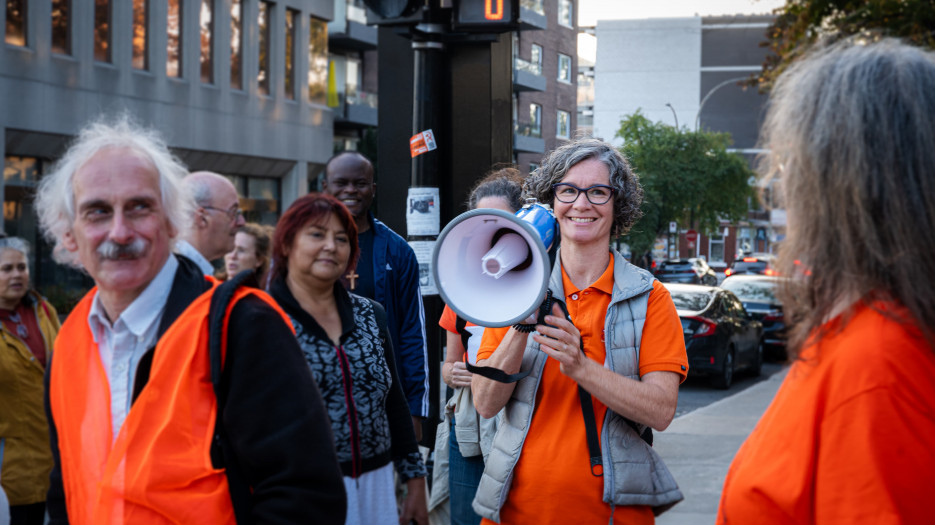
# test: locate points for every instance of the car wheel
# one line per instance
(726, 377)
(756, 368)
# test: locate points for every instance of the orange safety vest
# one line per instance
(158, 469)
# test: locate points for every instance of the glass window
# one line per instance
(140, 36)
(262, 77)
(174, 44)
(564, 68)
(206, 21)
(289, 83)
(236, 45)
(61, 27)
(533, 167)
(16, 22)
(566, 13)
(535, 120)
(563, 125)
(716, 248)
(102, 30)
(535, 54)
(317, 60)
(353, 80)
(261, 198)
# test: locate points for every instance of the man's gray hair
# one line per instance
(15, 243)
(628, 195)
(55, 200)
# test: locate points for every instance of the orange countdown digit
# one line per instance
(493, 14)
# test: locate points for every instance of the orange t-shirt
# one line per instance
(849, 437)
(552, 482)
(449, 321)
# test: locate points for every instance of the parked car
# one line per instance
(718, 267)
(758, 295)
(757, 263)
(720, 336)
(691, 271)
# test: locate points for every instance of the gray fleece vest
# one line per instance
(633, 473)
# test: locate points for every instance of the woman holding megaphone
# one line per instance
(605, 366)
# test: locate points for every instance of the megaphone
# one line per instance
(492, 267)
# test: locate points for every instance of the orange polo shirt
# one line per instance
(849, 436)
(552, 481)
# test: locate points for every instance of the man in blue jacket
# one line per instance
(386, 272)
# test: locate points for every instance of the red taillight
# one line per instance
(705, 327)
(653, 265)
(773, 316)
(769, 272)
(727, 272)
(749, 259)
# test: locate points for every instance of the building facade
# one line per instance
(234, 86)
(686, 72)
(544, 79)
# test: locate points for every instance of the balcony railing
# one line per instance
(528, 67)
(533, 5)
(360, 98)
(356, 14)
(529, 130)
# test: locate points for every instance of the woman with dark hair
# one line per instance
(348, 348)
(28, 326)
(470, 435)
(570, 447)
(850, 435)
(251, 252)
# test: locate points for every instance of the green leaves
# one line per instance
(687, 176)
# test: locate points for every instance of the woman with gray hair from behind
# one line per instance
(849, 437)
(617, 358)
(28, 326)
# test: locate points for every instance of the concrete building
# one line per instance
(685, 72)
(235, 86)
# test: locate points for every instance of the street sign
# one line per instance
(691, 236)
(673, 227)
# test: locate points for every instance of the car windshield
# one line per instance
(755, 291)
(694, 301)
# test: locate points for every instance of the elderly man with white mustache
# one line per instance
(138, 432)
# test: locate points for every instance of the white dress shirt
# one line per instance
(122, 343)
(186, 249)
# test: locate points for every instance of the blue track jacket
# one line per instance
(396, 285)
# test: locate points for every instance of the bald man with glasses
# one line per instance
(215, 221)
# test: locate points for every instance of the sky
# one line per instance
(590, 11)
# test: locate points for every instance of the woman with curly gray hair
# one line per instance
(618, 356)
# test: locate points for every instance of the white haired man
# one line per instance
(134, 420)
(215, 221)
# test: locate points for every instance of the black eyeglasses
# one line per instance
(232, 213)
(596, 194)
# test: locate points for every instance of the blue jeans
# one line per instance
(463, 477)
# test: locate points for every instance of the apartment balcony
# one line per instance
(349, 29)
(527, 76)
(528, 139)
(357, 110)
(532, 15)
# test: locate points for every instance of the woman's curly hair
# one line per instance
(628, 195)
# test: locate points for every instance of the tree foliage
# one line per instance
(687, 176)
(802, 23)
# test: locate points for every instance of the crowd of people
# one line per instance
(222, 370)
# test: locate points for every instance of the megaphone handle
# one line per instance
(544, 309)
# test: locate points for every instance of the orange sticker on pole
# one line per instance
(422, 143)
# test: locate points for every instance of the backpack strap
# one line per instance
(222, 453)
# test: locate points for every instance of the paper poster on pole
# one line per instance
(424, 251)
(422, 212)
(422, 142)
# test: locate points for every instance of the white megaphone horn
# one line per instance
(492, 267)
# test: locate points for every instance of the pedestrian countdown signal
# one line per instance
(485, 16)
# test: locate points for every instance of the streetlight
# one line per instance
(708, 95)
(676, 117)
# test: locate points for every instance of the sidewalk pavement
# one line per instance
(699, 447)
